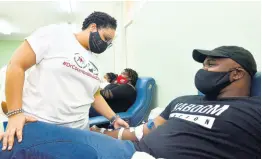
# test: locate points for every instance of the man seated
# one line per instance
(121, 95)
(225, 123)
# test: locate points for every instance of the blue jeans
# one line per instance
(48, 141)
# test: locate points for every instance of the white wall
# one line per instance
(114, 58)
(119, 42)
(163, 35)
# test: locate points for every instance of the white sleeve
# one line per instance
(40, 41)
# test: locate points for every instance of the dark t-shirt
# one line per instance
(123, 96)
(201, 128)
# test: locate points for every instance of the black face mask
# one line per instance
(96, 44)
(211, 83)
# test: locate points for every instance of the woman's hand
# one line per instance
(120, 123)
(14, 127)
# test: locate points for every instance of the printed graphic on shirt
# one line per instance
(80, 61)
(206, 114)
(92, 68)
(83, 66)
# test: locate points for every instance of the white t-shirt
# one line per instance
(2, 93)
(2, 83)
(61, 86)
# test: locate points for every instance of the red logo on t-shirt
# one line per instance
(80, 61)
(91, 71)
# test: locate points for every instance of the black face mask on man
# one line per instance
(96, 44)
(211, 83)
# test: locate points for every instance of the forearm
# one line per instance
(134, 133)
(102, 107)
(14, 87)
(127, 133)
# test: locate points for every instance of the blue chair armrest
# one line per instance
(102, 120)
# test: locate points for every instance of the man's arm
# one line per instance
(128, 135)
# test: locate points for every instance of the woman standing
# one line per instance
(64, 83)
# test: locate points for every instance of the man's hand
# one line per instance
(14, 127)
(120, 123)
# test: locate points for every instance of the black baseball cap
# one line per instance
(240, 55)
